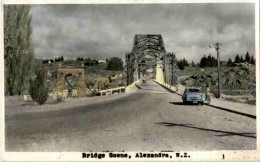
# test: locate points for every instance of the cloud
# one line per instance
(103, 31)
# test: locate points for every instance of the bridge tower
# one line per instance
(149, 51)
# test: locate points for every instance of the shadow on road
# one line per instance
(181, 103)
(232, 111)
(225, 133)
(153, 90)
(138, 86)
(177, 103)
(148, 89)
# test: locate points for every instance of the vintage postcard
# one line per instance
(129, 80)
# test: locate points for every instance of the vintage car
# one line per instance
(192, 95)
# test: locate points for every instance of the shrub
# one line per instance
(115, 64)
(59, 98)
(214, 91)
(38, 89)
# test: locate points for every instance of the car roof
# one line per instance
(192, 88)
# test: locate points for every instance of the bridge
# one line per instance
(149, 52)
(148, 117)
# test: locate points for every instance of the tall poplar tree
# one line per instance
(18, 53)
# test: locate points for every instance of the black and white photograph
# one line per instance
(130, 81)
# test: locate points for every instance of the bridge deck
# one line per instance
(148, 87)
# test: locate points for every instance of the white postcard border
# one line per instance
(77, 156)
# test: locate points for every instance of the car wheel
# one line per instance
(201, 103)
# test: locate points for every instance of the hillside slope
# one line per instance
(238, 83)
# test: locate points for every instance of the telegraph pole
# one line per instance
(219, 82)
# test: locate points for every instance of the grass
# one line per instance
(100, 71)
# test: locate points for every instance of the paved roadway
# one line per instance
(149, 118)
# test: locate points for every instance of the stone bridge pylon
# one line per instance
(77, 73)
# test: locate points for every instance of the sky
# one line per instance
(101, 31)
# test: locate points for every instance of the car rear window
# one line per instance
(193, 90)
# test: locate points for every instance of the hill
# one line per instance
(238, 83)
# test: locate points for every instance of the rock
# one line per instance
(209, 76)
(194, 77)
(238, 82)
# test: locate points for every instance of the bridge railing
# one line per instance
(102, 92)
(112, 90)
(173, 88)
(118, 89)
(131, 85)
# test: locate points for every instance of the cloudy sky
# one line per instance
(103, 31)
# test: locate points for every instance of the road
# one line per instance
(148, 118)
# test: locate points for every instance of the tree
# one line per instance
(203, 61)
(241, 59)
(115, 63)
(247, 57)
(237, 59)
(185, 62)
(45, 61)
(80, 59)
(182, 63)
(229, 63)
(209, 61)
(18, 52)
(60, 59)
(252, 60)
(192, 64)
(38, 87)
